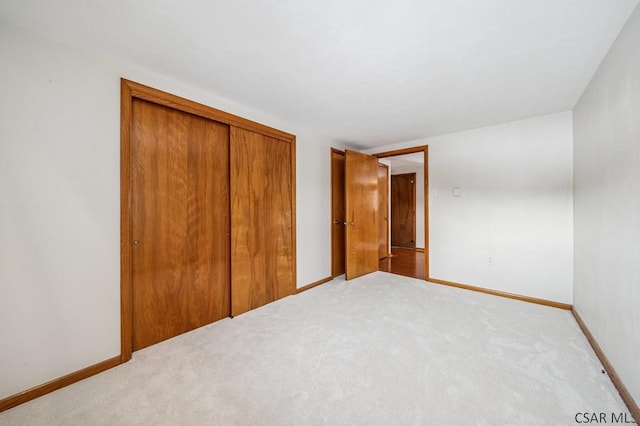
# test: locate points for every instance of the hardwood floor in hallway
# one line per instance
(403, 261)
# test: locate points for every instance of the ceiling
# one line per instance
(364, 72)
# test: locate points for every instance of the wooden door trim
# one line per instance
(126, 265)
(412, 150)
(129, 91)
(416, 149)
(159, 97)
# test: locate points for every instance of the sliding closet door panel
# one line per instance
(209, 259)
(262, 221)
(180, 222)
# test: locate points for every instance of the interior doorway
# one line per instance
(417, 256)
(355, 218)
(407, 257)
(403, 210)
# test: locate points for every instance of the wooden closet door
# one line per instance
(262, 219)
(180, 222)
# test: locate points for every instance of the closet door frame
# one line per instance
(130, 90)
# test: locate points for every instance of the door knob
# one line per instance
(135, 242)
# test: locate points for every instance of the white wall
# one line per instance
(59, 212)
(607, 205)
(515, 207)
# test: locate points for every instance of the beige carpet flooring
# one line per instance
(379, 350)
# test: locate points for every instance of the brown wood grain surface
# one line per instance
(262, 220)
(180, 222)
(403, 210)
(361, 206)
(337, 213)
(140, 91)
(405, 261)
(172, 227)
(383, 211)
(424, 149)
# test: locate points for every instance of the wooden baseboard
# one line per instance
(503, 294)
(56, 384)
(313, 284)
(617, 382)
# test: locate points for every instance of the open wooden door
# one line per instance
(361, 208)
